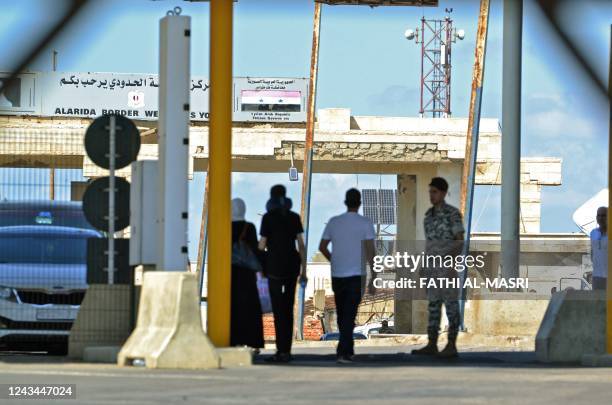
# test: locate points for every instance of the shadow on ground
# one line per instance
(317, 358)
(403, 359)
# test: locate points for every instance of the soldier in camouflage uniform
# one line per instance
(444, 234)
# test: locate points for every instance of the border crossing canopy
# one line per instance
(375, 3)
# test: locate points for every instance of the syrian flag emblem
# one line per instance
(136, 99)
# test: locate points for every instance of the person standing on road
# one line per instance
(280, 229)
(352, 238)
(599, 250)
(246, 325)
(443, 226)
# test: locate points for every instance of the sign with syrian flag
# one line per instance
(270, 99)
(289, 100)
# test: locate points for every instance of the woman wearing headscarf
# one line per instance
(281, 230)
(246, 326)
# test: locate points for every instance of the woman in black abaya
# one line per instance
(246, 326)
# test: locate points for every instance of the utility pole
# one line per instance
(511, 137)
(307, 168)
(471, 143)
(468, 179)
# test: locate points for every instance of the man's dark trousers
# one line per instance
(347, 293)
(282, 295)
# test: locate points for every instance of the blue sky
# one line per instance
(368, 66)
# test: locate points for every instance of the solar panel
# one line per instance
(380, 205)
(387, 206)
(370, 204)
(371, 212)
(387, 198)
(387, 215)
(369, 196)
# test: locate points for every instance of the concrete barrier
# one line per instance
(597, 360)
(574, 326)
(489, 314)
(169, 331)
(505, 314)
(101, 354)
(104, 319)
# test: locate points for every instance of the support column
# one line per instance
(406, 207)
(511, 136)
(408, 313)
(423, 178)
(220, 164)
(452, 173)
(173, 141)
(531, 207)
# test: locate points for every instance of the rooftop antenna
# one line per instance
(436, 38)
(54, 60)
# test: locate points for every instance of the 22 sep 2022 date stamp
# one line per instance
(37, 391)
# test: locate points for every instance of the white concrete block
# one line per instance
(334, 119)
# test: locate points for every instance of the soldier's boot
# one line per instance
(431, 349)
(450, 351)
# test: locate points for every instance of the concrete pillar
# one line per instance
(452, 173)
(511, 138)
(406, 232)
(531, 204)
(423, 178)
(495, 259)
(406, 207)
(173, 141)
(408, 308)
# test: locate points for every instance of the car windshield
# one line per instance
(43, 249)
(48, 216)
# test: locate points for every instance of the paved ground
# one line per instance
(382, 375)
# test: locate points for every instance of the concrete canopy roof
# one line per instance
(375, 3)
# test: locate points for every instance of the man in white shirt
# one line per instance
(352, 238)
(599, 250)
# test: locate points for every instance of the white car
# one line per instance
(43, 279)
(372, 328)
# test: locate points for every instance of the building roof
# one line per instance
(375, 3)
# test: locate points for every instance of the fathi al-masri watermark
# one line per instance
(457, 282)
(439, 271)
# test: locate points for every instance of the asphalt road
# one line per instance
(381, 375)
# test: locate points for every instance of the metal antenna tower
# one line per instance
(436, 38)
